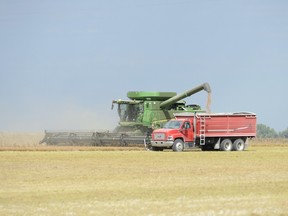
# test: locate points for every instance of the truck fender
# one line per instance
(217, 145)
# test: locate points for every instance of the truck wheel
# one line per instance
(238, 145)
(226, 145)
(178, 145)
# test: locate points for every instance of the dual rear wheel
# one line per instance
(225, 145)
(228, 145)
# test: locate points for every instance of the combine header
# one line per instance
(139, 116)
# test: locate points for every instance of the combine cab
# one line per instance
(141, 114)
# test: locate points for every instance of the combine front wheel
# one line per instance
(147, 144)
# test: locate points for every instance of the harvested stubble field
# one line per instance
(79, 181)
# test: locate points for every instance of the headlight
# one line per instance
(170, 138)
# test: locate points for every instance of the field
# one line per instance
(37, 180)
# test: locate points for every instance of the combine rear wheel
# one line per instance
(226, 145)
(178, 145)
(238, 145)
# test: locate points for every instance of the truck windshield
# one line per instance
(173, 124)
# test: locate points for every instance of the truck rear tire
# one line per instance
(226, 145)
(238, 145)
(178, 145)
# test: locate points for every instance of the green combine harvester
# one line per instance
(141, 114)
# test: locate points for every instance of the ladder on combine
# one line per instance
(202, 130)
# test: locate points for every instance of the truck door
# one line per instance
(187, 131)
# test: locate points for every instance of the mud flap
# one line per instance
(217, 145)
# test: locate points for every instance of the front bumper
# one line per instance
(166, 144)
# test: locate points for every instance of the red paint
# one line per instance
(209, 126)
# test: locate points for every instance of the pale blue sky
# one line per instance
(63, 62)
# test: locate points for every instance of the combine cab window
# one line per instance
(129, 112)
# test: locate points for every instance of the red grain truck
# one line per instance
(223, 131)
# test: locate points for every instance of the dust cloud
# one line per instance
(77, 118)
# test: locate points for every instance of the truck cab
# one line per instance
(176, 134)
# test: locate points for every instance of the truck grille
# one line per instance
(159, 136)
